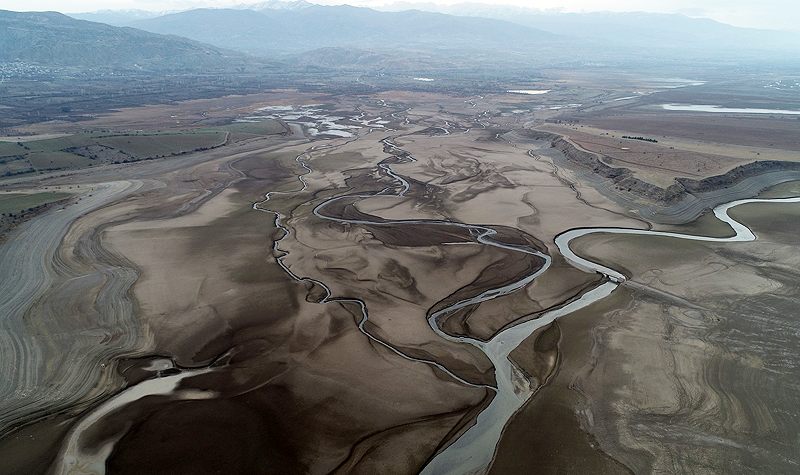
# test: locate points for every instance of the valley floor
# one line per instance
(338, 294)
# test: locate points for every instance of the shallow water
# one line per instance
(725, 110)
(530, 92)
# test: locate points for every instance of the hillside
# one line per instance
(53, 39)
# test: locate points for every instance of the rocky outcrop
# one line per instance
(736, 175)
(624, 179)
(681, 202)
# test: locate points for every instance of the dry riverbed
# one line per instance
(335, 298)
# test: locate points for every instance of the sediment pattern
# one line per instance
(386, 301)
(46, 271)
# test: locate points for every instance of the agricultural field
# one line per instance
(250, 130)
(89, 149)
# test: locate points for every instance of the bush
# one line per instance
(643, 139)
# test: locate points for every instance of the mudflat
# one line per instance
(334, 294)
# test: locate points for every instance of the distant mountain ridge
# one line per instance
(53, 39)
(126, 17)
(632, 29)
(275, 5)
(290, 30)
(280, 27)
(461, 36)
(117, 17)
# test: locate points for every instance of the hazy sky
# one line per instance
(777, 14)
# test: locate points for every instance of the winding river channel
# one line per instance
(474, 450)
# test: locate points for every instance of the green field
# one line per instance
(251, 130)
(16, 202)
(149, 146)
(56, 160)
(266, 127)
(89, 149)
(10, 149)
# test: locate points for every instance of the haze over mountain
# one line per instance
(275, 5)
(479, 36)
(117, 17)
(269, 31)
(53, 39)
(277, 27)
(629, 29)
(127, 17)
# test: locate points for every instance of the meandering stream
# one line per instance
(474, 450)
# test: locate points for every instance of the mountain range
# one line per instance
(295, 32)
(127, 17)
(269, 31)
(621, 29)
(277, 27)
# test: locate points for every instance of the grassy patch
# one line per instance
(16, 165)
(266, 127)
(161, 145)
(56, 160)
(10, 149)
(16, 202)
